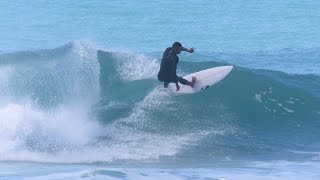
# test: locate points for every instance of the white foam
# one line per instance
(69, 135)
(274, 170)
(5, 73)
(288, 110)
(257, 97)
(133, 67)
(158, 98)
(27, 132)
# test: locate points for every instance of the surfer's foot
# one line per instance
(193, 81)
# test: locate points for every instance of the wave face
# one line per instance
(79, 104)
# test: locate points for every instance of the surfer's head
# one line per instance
(177, 47)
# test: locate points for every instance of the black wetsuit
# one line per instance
(168, 68)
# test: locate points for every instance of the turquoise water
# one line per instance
(153, 25)
(80, 98)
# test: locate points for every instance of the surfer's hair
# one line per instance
(176, 45)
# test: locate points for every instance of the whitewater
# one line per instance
(80, 99)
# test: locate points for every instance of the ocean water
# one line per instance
(80, 99)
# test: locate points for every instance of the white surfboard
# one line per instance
(205, 79)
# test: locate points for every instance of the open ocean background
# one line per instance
(80, 99)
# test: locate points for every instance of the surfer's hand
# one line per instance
(190, 50)
(178, 87)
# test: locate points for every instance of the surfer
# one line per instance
(168, 68)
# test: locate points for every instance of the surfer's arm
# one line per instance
(190, 50)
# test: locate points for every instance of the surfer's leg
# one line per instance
(183, 81)
(165, 84)
(186, 82)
